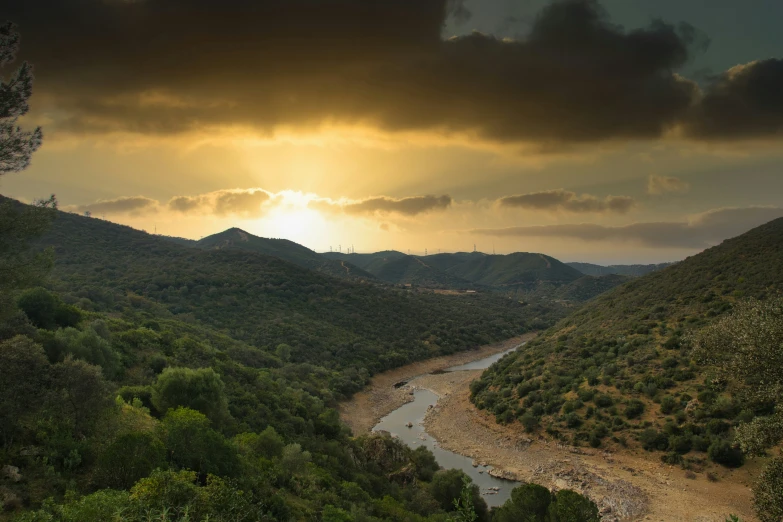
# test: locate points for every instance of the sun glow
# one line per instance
(293, 220)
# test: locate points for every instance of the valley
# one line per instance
(280, 334)
(625, 485)
(567, 299)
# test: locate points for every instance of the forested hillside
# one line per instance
(153, 381)
(266, 301)
(619, 371)
(588, 287)
(517, 273)
(626, 270)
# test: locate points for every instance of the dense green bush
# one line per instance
(726, 454)
(202, 390)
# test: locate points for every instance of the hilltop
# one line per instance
(626, 270)
(235, 238)
(618, 372)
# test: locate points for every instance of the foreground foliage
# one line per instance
(746, 348)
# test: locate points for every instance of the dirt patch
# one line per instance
(626, 486)
(366, 408)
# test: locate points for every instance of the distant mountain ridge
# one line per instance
(531, 274)
(626, 270)
(236, 238)
(463, 270)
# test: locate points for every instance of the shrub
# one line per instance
(653, 440)
(700, 443)
(680, 444)
(768, 492)
(671, 458)
(634, 409)
(668, 404)
(529, 421)
(201, 390)
(603, 401)
(726, 454)
(129, 458)
(573, 420)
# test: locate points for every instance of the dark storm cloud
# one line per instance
(410, 206)
(700, 231)
(123, 205)
(566, 201)
(169, 66)
(744, 102)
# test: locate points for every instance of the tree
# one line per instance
(193, 445)
(86, 345)
(447, 486)
(201, 390)
(129, 458)
(24, 376)
(745, 348)
(47, 310)
(295, 460)
(570, 506)
(18, 224)
(16, 145)
(528, 503)
(82, 393)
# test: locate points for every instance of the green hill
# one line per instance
(618, 371)
(587, 287)
(369, 262)
(235, 238)
(626, 270)
(266, 301)
(517, 269)
(534, 274)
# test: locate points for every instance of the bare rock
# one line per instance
(11, 473)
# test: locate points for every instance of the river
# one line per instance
(414, 412)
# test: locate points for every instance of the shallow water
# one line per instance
(414, 412)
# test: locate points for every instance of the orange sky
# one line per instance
(379, 129)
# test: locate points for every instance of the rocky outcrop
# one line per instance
(404, 476)
(11, 473)
(388, 453)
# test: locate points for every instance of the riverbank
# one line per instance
(379, 398)
(626, 486)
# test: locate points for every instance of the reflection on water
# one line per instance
(414, 412)
(481, 364)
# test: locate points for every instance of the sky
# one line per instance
(619, 131)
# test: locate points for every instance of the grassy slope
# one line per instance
(629, 344)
